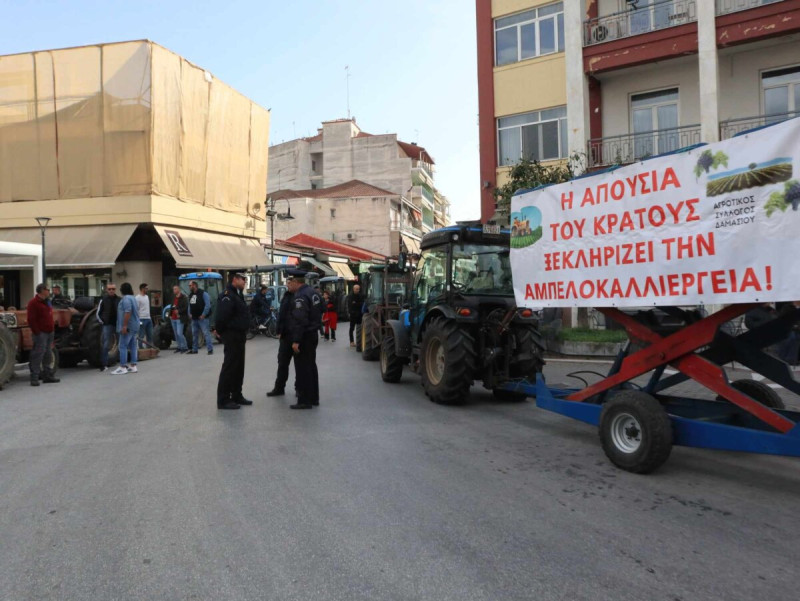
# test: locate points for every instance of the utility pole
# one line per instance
(347, 83)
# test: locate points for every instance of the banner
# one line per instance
(715, 225)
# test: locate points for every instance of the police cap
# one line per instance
(295, 273)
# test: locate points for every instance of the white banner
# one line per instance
(718, 224)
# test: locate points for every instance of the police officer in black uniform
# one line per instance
(285, 352)
(304, 322)
(233, 320)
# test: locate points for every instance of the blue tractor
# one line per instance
(462, 323)
(208, 281)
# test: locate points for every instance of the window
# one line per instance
(482, 270)
(540, 136)
(781, 92)
(431, 271)
(533, 33)
(654, 120)
(333, 213)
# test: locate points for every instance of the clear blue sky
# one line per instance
(413, 62)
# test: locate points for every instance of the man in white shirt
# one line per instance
(146, 327)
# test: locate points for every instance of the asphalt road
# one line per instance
(136, 487)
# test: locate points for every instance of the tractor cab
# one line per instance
(386, 289)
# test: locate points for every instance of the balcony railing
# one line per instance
(725, 7)
(731, 127)
(658, 15)
(426, 167)
(628, 148)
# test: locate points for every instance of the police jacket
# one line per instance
(199, 304)
(107, 310)
(306, 313)
(284, 311)
(232, 314)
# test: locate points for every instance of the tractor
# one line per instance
(462, 323)
(386, 289)
(208, 281)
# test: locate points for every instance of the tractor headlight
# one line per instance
(10, 319)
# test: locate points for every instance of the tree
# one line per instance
(529, 174)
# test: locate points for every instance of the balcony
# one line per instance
(725, 7)
(732, 127)
(653, 17)
(426, 168)
(628, 148)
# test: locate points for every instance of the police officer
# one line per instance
(304, 322)
(232, 324)
(285, 352)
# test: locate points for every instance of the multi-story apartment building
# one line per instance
(340, 152)
(621, 80)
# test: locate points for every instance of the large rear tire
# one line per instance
(528, 359)
(635, 431)
(391, 364)
(92, 341)
(760, 392)
(8, 354)
(448, 360)
(162, 336)
(369, 351)
(359, 334)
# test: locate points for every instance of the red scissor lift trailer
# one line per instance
(639, 426)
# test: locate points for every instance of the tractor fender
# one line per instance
(448, 312)
(402, 338)
(87, 316)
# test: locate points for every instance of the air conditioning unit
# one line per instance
(351, 236)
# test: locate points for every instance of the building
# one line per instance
(351, 213)
(618, 80)
(147, 165)
(340, 152)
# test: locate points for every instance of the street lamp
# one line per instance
(272, 214)
(43, 221)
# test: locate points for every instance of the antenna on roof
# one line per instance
(347, 82)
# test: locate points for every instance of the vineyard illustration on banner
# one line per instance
(526, 227)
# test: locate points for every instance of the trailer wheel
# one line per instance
(368, 351)
(758, 391)
(391, 364)
(635, 431)
(447, 362)
(8, 354)
(53, 365)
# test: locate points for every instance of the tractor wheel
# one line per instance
(162, 336)
(635, 431)
(391, 364)
(187, 334)
(368, 351)
(92, 341)
(8, 354)
(359, 334)
(54, 362)
(759, 392)
(447, 362)
(531, 361)
(508, 396)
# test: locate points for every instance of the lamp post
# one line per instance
(272, 214)
(43, 221)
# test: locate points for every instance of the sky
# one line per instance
(412, 63)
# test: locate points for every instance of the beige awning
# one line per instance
(412, 244)
(343, 270)
(193, 249)
(84, 247)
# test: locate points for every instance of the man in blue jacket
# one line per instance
(200, 312)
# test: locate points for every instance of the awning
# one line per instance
(193, 249)
(80, 247)
(412, 244)
(343, 270)
(326, 271)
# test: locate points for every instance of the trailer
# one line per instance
(726, 240)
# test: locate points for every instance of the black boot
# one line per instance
(34, 380)
(276, 392)
(227, 404)
(240, 400)
(50, 379)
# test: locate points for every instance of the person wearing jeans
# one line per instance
(128, 328)
(40, 320)
(200, 309)
(178, 316)
(107, 316)
(145, 322)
